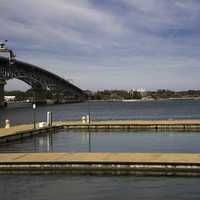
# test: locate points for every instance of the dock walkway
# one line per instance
(167, 164)
(22, 131)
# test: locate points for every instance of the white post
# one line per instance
(49, 118)
(83, 119)
(34, 117)
(88, 119)
(7, 123)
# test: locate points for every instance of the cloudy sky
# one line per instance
(108, 44)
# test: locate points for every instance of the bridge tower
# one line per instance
(2, 83)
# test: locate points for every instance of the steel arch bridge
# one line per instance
(38, 78)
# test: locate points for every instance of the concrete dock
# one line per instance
(158, 164)
(27, 130)
(138, 125)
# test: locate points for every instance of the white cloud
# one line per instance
(72, 37)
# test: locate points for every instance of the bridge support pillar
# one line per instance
(2, 102)
(40, 97)
(58, 97)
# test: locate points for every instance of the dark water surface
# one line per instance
(100, 187)
(168, 109)
(112, 141)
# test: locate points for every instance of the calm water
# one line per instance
(171, 109)
(108, 142)
(103, 187)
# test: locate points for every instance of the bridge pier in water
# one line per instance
(2, 83)
(39, 96)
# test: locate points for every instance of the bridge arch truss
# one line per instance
(38, 78)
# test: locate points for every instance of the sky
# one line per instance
(107, 44)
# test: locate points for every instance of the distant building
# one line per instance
(141, 90)
(9, 98)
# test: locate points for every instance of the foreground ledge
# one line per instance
(155, 164)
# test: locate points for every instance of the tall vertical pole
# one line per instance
(34, 109)
(89, 133)
(89, 140)
(89, 114)
(34, 115)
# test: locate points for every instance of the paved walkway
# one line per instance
(14, 129)
(185, 158)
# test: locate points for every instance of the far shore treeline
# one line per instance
(118, 94)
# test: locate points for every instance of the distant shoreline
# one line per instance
(136, 100)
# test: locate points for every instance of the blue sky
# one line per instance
(108, 44)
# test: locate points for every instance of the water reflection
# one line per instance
(43, 143)
(86, 137)
(89, 141)
(107, 142)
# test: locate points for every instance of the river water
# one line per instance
(169, 109)
(69, 141)
(103, 187)
(51, 187)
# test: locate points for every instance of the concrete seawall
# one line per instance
(154, 164)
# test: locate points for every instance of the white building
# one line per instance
(9, 98)
(141, 90)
